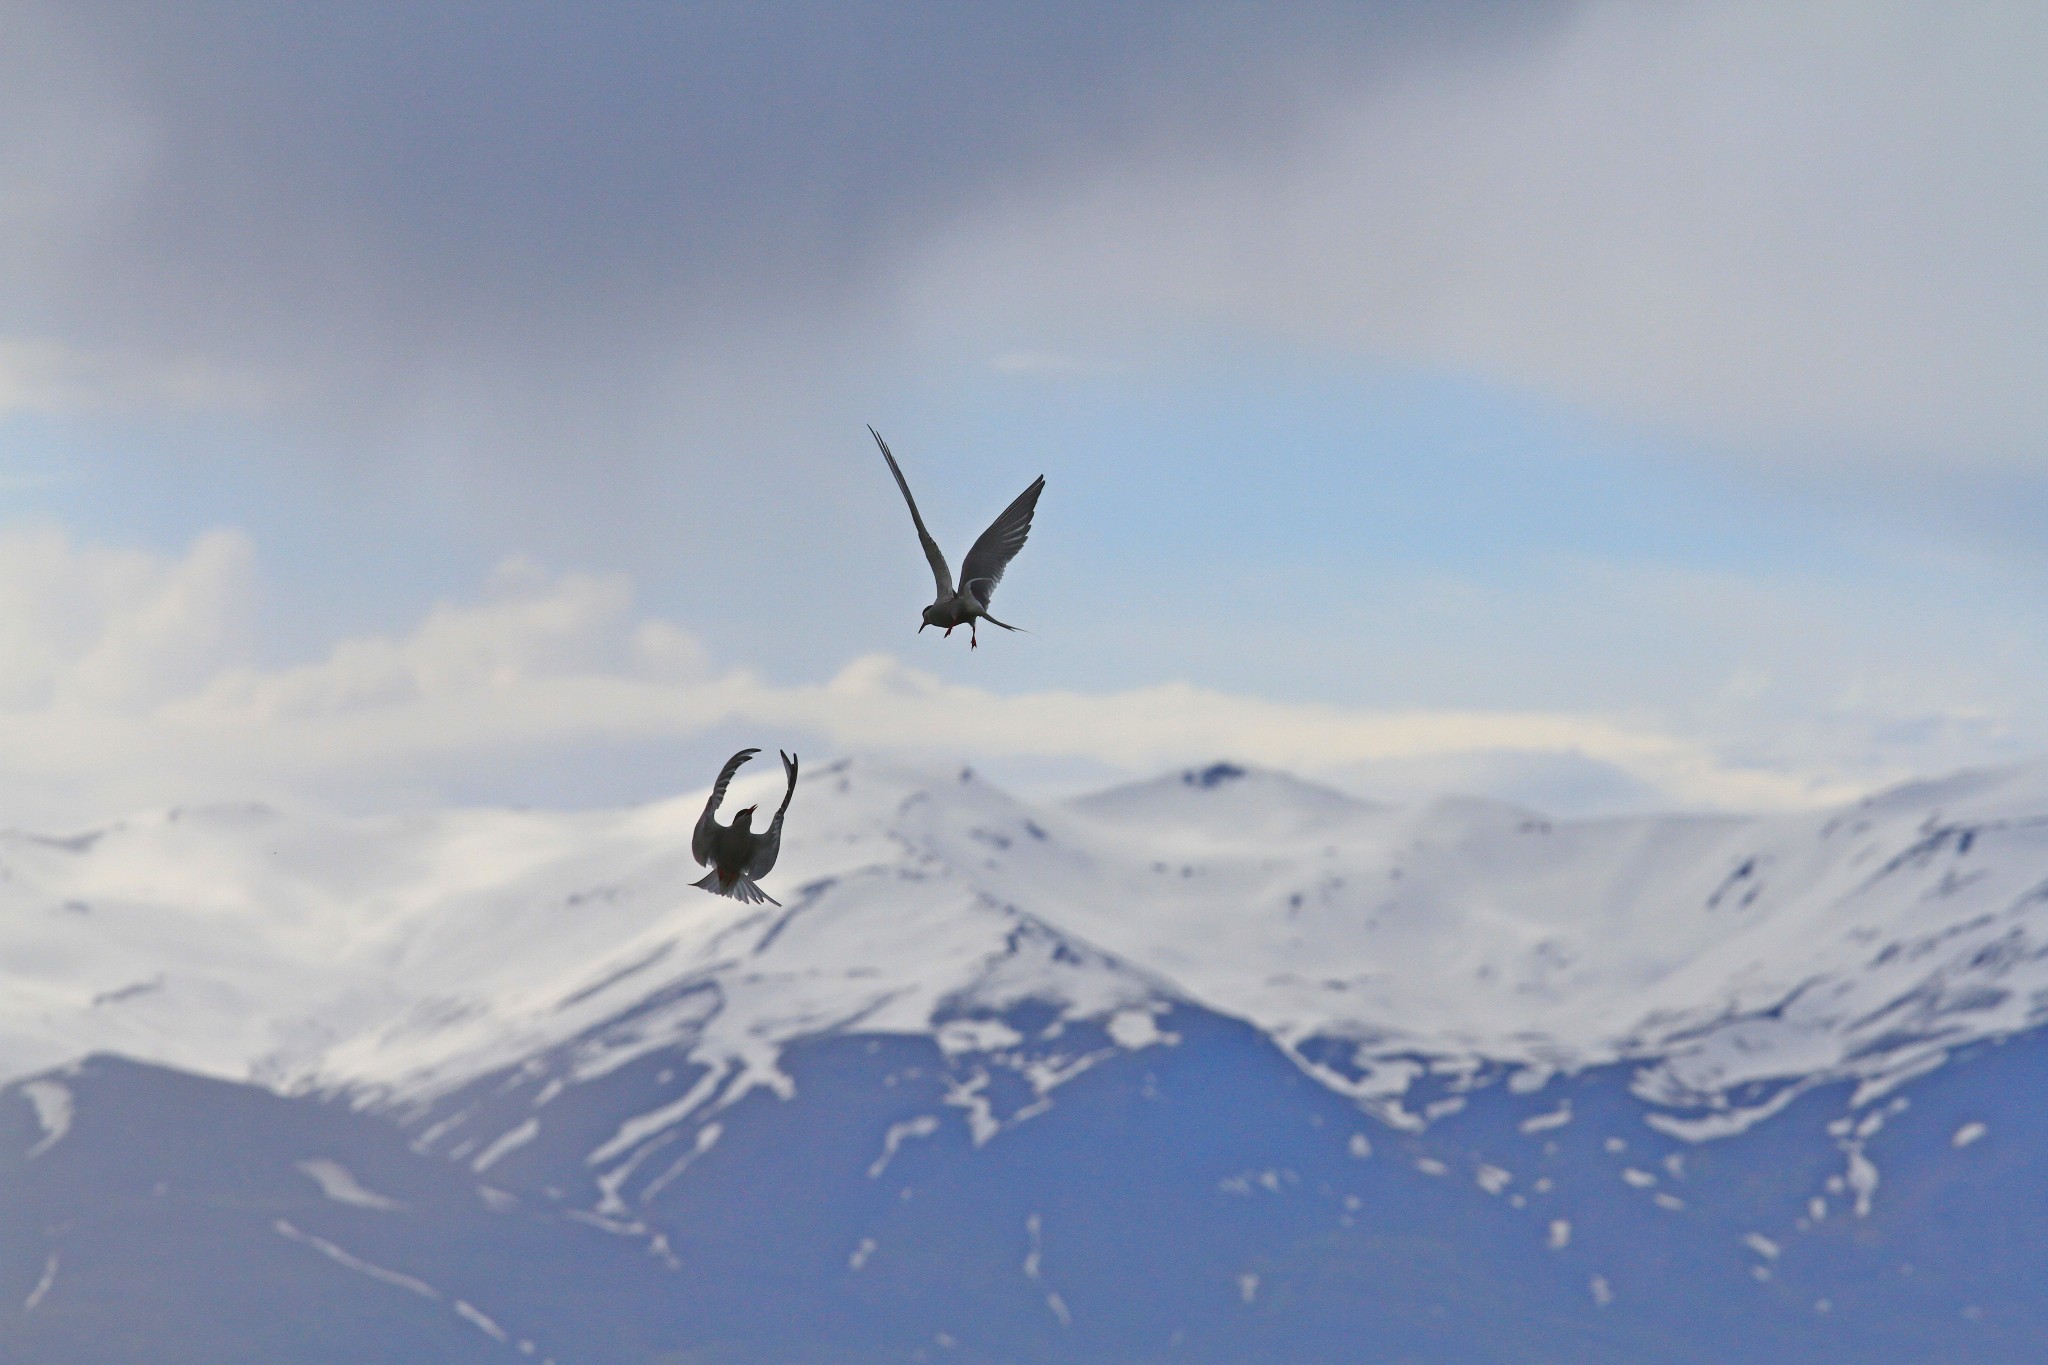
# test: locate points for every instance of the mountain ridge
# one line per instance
(1207, 1068)
(396, 957)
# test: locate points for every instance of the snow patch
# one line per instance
(923, 1126)
(1862, 1180)
(478, 1319)
(505, 1143)
(54, 1111)
(1270, 1180)
(42, 1289)
(971, 1095)
(960, 1036)
(640, 1127)
(356, 1263)
(336, 1183)
(1137, 1028)
(707, 1138)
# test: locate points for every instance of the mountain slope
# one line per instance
(1201, 1201)
(1253, 1063)
(403, 956)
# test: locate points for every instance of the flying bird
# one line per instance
(736, 855)
(984, 565)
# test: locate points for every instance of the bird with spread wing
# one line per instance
(984, 565)
(735, 853)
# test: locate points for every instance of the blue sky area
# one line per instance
(1382, 361)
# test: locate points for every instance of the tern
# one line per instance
(735, 854)
(984, 565)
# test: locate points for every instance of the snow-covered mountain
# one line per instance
(1250, 1011)
(401, 957)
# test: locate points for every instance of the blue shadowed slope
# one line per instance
(1198, 1201)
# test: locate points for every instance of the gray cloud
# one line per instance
(577, 280)
(1811, 232)
(517, 227)
(572, 278)
(591, 274)
(399, 198)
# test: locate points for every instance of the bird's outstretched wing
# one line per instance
(940, 573)
(984, 565)
(763, 861)
(707, 825)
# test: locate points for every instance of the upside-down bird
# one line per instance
(736, 855)
(984, 565)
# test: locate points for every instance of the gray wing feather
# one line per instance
(765, 852)
(984, 565)
(942, 575)
(707, 824)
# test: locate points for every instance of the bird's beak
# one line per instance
(921, 625)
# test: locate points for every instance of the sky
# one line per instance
(1601, 406)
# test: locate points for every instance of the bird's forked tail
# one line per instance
(741, 888)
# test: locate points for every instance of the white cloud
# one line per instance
(125, 680)
(877, 701)
(532, 629)
(85, 627)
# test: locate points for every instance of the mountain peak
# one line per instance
(405, 954)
